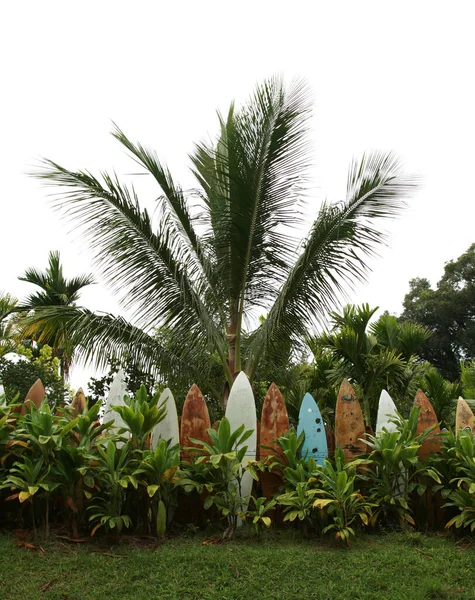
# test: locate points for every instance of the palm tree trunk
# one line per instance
(232, 342)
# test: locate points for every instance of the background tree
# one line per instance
(211, 286)
(448, 312)
(17, 376)
(56, 291)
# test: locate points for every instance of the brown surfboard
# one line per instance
(194, 422)
(35, 395)
(349, 423)
(274, 422)
(427, 418)
(78, 403)
(465, 417)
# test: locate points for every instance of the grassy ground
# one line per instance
(392, 566)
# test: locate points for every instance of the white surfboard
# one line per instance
(117, 391)
(241, 410)
(386, 411)
(168, 428)
(2, 390)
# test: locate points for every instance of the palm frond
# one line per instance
(334, 255)
(253, 182)
(161, 283)
(100, 337)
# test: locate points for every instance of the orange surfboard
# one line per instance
(35, 394)
(349, 423)
(194, 422)
(78, 403)
(274, 422)
(465, 417)
(427, 418)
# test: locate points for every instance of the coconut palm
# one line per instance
(56, 291)
(210, 261)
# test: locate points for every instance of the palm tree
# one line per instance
(56, 291)
(7, 323)
(210, 261)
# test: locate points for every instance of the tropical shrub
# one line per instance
(159, 468)
(394, 470)
(461, 494)
(258, 514)
(114, 469)
(341, 499)
(225, 469)
(140, 416)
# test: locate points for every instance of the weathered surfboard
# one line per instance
(386, 411)
(427, 418)
(194, 422)
(349, 423)
(311, 422)
(241, 410)
(78, 403)
(274, 422)
(117, 391)
(35, 395)
(464, 417)
(168, 429)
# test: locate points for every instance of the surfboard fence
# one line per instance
(149, 460)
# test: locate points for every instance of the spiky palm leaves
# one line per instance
(206, 275)
(56, 291)
(374, 356)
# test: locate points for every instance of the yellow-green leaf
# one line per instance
(169, 473)
(321, 503)
(267, 521)
(151, 489)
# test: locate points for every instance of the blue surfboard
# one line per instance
(310, 421)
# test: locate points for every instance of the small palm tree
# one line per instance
(375, 356)
(210, 261)
(56, 291)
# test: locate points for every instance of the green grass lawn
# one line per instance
(282, 565)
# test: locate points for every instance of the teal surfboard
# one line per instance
(310, 421)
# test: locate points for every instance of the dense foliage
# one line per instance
(69, 466)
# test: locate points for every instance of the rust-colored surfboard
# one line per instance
(465, 417)
(274, 422)
(349, 423)
(35, 394)
(427, 418)
(78, 403)
(194, 422)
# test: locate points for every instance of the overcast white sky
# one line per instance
(390, 75)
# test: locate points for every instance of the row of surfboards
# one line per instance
(349, 431)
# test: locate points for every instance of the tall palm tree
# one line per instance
(56, 291)
(209, 261)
